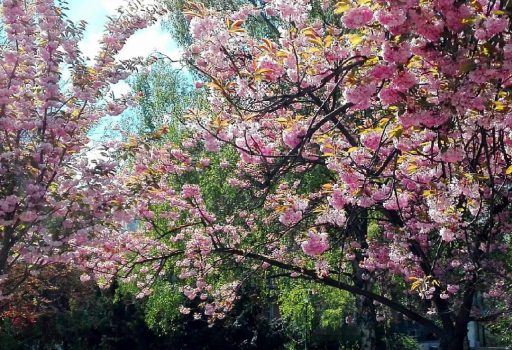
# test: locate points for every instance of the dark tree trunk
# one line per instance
(357, 229)
(5, 247)
(454, 341)
(455, 337)
(367, 323)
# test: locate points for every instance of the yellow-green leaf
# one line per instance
(500, 12)
(261, 71)
(499, 106)
(316, 41)
(372, 61)
(355, 39)
(412, 168)
(341, 7)
(469, 20)
(327, 187)
(396, 132)
(214, 85)
(486, 49)
(383, 122)
(416, 285)
(282, 54)
(328, 41)
(309, 32)
(428, 193)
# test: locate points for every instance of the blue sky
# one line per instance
(143, 43)
(95, 13)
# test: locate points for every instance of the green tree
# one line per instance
(166, 92)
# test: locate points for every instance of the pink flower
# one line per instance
(360, 95)
(430, 31)
(85, 277)
(322, 268)
(452, 288)
(205, 162)
(507, 51)
(273, 69)
(287, 10)
(209, 309)
(494, 293)
(316, 244)
(335, 217)
(190, 191)
(292, 137)
(28, 216)
(382, 71)
(447, 235)
(189, 293)
(337, 199)
(290, 217)
(211, 143)
(355, 245)
(444, 296)
(391, 18)
(452, 156)
(202, 27)
(455, 263)
(371, 140)
(270, 11)
(405, 81)
(357, 18)
(491, 27)
(398, 54)
(394, 203)
(184, 310)
(389, 96)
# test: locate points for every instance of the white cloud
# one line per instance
(90, 46)
(112, 5)
(120, 88)
(148, 41)
(142, 43)
(96, 153)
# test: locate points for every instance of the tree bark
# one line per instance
(5, 247)
(454, 341)
(357, 229)
(367, 323)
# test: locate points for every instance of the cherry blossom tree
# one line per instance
(369, 146)
(54, 198)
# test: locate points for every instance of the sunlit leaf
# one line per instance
(341, 7)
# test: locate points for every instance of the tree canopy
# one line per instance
(364, 147)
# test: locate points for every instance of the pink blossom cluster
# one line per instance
(57, 205)
(390, 134)
(316, 244)
(357, 17)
